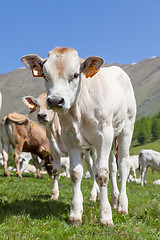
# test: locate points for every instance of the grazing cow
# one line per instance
(94, 105)
(24, 135)
(24, 159)
(148, 158)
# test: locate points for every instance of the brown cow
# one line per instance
(24, 135)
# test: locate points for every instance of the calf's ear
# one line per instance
(34, 63)
(30, 102)
(91, 66)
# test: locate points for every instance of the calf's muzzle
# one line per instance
(41, 116)
(55, 102)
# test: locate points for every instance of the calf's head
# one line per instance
(44, 116)
(62, 73)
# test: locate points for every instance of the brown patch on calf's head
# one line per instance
(61, 50)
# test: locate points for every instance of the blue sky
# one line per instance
(121, 31)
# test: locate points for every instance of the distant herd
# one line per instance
(84, 110)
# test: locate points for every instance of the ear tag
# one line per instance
(90, 72)
(32, 106)
(37, 72)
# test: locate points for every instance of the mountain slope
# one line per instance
(14, 85)
(145, 77)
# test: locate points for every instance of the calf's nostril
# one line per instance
(61, 102)
(49, 102)
(42, 116)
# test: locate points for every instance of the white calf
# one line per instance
(94, 105)
(148, 158)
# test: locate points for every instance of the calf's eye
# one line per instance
(73, 77)
(76, 75)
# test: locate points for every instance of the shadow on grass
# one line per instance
(37, 209)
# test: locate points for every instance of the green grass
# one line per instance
(135, 148)
(27, 213)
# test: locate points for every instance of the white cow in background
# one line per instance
(148, 158)
(24, 160)
(94, 105)
(156, 182)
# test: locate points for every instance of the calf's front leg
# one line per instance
(76, 173)
(104, 143)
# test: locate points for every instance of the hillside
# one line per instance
(145, 76)
(14, 85)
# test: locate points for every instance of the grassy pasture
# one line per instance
(26, 211)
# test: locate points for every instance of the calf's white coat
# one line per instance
(93, 108)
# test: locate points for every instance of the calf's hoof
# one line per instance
(107, 223)
(122, 211)
(20, 176)
(54, 198)
(74, 221)
(92, 198)
(54, 195)
(39, 177)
